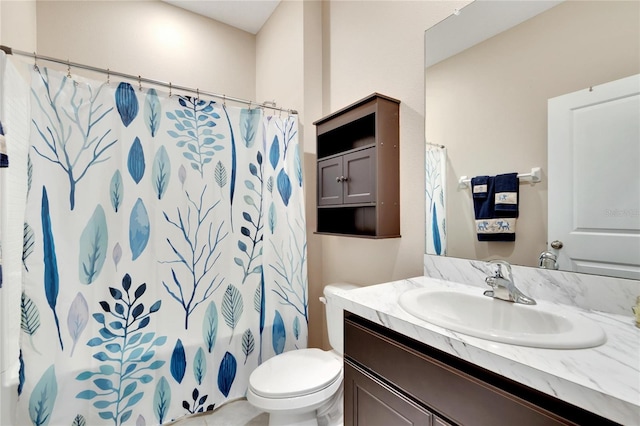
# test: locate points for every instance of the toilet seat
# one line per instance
(295, 374)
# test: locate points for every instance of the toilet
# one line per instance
(303, 386)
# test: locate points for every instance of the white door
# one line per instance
(594, 179)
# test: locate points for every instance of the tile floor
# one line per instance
(235, 413)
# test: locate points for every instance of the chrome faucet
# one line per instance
(503, 287)
(548, 260)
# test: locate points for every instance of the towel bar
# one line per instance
(534, 177)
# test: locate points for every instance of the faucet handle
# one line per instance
(503, 269)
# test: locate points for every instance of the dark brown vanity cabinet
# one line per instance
(390, 379)
(358, 169)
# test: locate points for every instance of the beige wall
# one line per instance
(18, 24)
(152, 39)
(488, 105)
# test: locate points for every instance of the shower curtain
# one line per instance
(435, 185)
(164, 252)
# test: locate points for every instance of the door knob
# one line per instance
(556, 244)
(341, 179)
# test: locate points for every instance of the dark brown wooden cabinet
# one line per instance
(347, 179)
(358, 169)
(393, 380)
(375, 403)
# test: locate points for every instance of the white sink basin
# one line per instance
(539, 326)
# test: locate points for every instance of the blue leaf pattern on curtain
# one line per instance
(210, 326)
(232, 183)
(139, 229)
(248, 343)
(51, 277)
(284, 187)
(28, 241)
(227, 373)
(164, 329)
(435, 174)
(30, 318)
(274, 152)
(162, 400)
(127, 103)
(77, 319)
(43, 398)
(116, 190)
(21, 377)
(161, 172)
(249, 123)
(84, 120)
(437, 246)
(93, 247)
(232, 307)
(136, 162)
(199, 366)
(178, 362)
(152, 112)
(127, 356)
(278, 334)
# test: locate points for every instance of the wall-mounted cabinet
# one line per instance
(358, 169)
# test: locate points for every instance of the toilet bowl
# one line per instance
(295, 386)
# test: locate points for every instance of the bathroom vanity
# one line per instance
(403, 370)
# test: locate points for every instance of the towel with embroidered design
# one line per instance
(495, 204)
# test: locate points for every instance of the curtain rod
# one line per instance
(139, 79)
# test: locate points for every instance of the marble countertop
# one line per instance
(604, 380)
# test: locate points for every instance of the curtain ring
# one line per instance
(170, 89)
(108, 77)
(68, 69)
(197, 94)
(139, 83)
(35, 62)
(249, 105)
(224, 100)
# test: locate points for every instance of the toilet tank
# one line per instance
(334, 316)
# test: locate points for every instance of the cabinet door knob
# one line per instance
(338, 179)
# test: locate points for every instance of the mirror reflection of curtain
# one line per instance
(168, 257)
(435, 185)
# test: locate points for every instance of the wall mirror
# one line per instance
(489, 72)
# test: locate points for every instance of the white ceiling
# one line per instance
(248, 15)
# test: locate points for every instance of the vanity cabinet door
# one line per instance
(329, 182)
(360, 176)
(371, 402)
(437, 421)
(347, 179)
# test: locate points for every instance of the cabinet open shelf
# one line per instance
(358, 169)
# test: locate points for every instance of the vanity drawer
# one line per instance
(459, 391)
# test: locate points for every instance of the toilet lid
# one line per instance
(295, 373)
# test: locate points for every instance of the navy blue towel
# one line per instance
(483, 199)
(507, 194)
(489, 227)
